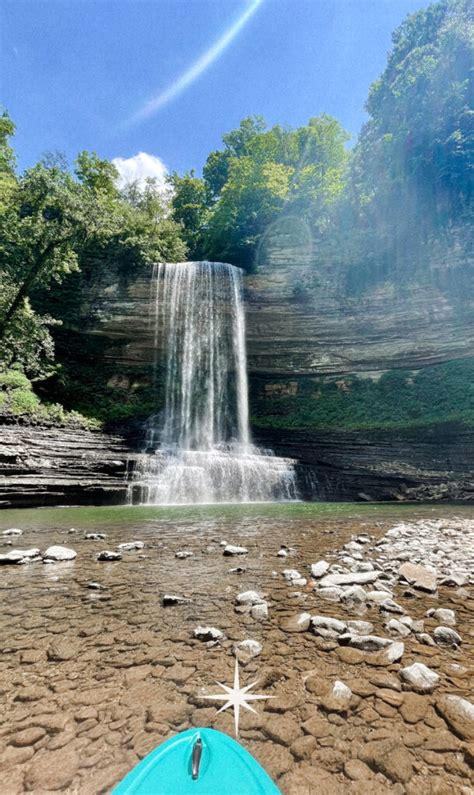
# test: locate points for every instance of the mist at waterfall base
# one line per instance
(198, 450)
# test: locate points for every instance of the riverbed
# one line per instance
(96, 671)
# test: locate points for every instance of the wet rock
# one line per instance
(170, 600)
(131, 546)
(246, 650)
(298, 623)
(331, 594)
(419, 677)
(108, 555)
(338, 698)
(354, 578)
(443, 615)
(95, 536)
(12, 531)
(294, 577)
(454, 580)
(233, 550)
(446, 636)
(208, 633)
(56, 554)
(319, 569)
(20, 556)
(53, 770)
(458, 713)
(418, 576)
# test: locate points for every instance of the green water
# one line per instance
(123, 516)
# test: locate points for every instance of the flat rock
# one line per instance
(353, 578)
(298, 623)
(388, 655)
(56, 554)
(20, 556)
(53, 770)
(458, 713)
(95, 536)
(418, 576)
(419, 677)
(131, 546)
(395, 627)
(108, 555)
(183, 554)
(390, 758)
(170, 600)
(414, 707)
(365, 642)
(12, 531)
(62, 650)
(233, 550)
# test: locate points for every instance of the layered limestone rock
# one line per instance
(44, 465)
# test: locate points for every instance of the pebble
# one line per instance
(183, 554)
(130, 546)
(319, 569)
(170, 600)
(232, 550)
(95, 536)
(108, 555)
(56, 554)
(208, 633)
(420, 678)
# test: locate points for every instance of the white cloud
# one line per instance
(138, 168)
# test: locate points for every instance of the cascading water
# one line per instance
(198, 449)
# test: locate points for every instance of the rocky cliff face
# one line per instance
(44, 465)
(301, 322)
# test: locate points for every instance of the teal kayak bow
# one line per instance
(198, 762)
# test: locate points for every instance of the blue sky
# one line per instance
(86, 74)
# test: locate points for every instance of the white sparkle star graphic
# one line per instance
(237, 697)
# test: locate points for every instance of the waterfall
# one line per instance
(199, 449)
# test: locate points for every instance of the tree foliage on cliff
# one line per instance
(258, 176)
(54, 223)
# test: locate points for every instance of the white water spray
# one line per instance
(198, 450)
